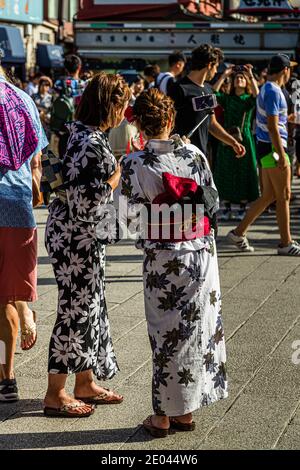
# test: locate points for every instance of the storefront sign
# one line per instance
(162, 40)
(23, 11)
(134, 2)
(253, 7)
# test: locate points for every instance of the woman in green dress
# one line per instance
(236, 178)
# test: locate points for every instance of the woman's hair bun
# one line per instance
(153, 110)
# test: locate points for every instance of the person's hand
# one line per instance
(136, 145)
(249, 70)
(239, 149)
(292, 118)
(228, 72)
(282, 163)
(113, 181)
(185, 140)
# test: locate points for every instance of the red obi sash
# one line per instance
(177, 214)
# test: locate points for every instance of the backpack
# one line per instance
(158, 82)
(63, 108)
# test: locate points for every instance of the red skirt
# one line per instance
(18, 264)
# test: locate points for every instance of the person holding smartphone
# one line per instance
(272, 135)
(236, 179)
(204, 65)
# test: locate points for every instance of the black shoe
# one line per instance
(8, 391)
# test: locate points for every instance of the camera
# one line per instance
(239, 68)
(201, 103)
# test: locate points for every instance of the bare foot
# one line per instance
(28, 329)
(58, 401)
(161, 422)
(91, 389)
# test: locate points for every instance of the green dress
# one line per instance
(236, 178)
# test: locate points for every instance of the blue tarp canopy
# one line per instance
(12, 44)
(49, 56)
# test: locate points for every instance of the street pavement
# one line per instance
(261, 308)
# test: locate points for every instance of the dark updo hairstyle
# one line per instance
(103, 99)
(153, 111)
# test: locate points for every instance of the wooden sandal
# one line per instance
(179, 426)
(66, 411)
(105, 398)
(154, 430)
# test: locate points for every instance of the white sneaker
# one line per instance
(293, 249)
(241, 243)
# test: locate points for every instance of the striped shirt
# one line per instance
(271, 102)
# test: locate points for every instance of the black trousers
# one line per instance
(62, 144)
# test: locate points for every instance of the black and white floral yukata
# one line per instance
(81, 336)
(181, 289)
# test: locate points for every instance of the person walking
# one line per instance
(21, 140)
(81, 343)
(181, 280)
(43, 101)
(204, 65)
(236, 178)
(69, 90)
(272, 135)
(165, 80)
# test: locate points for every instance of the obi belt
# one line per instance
(183, 212)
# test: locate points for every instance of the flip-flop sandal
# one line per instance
(153, 430)
(175, 424)
(102, 399)
(65, 412)
(30, 330)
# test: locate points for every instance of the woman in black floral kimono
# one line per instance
(81, 341)
(181, 278)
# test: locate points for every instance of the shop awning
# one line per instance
(12, 44)
(50, 56)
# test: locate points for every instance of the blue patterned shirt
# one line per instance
(16, 186)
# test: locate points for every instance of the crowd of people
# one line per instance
(91, 124)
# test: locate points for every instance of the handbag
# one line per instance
(237, 132)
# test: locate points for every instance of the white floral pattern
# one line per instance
(181, 289)
(81, 336)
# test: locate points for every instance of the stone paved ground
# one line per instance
(261, 306)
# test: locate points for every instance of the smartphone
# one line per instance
(238, 68)
(201, 103)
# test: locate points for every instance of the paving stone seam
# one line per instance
(292, 273)
(129, 331)
(263, 364)
(286, 425)
(244, 278)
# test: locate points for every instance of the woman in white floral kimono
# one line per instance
(81, 341)
(181, 279)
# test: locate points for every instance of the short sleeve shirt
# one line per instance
(271, 102)
(16, 186)
(182, 93)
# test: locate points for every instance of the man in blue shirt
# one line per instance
(272, 135)
(18, 244)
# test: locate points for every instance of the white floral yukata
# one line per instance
(181, 289)
(81, 336)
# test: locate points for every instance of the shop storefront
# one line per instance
(13, 51)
